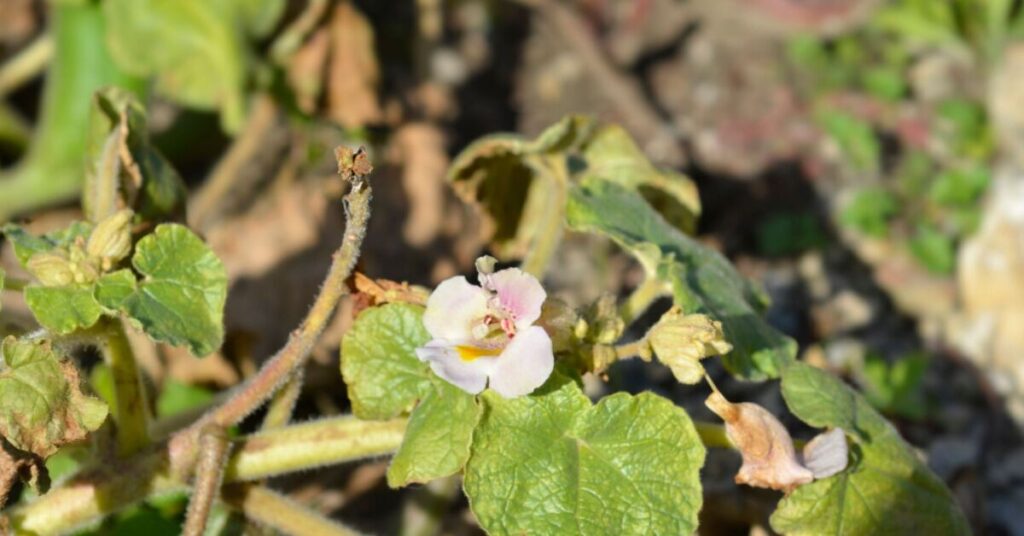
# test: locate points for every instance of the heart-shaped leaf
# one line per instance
(885, 490)
(379, 364)
(64, 309)
(180, 299)
(550, 463)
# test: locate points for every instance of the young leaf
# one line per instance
(379, 364)
(886, 489)
(180, 299)
(41, 404)
(63, 309)
(550, 463)
(124, 165)
(703, 281)
(437, 441)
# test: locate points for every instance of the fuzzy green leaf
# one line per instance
(180, 299)
(114, 288)
(885, 490)
(41, 404)
(550, 463)
(437, 440)
(703, 281)
(65, 309)
(26, 245)
(379, 364)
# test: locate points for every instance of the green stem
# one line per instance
(313, 444)
(100, 491)
(713, 435)
(52, 169)
(131, 409)
(279, 411)
(26, 65)
(639, 348)
(14, 284)
(642, 297)
(278, 512)
(213, 449)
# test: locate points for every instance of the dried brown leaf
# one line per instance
(353, 71)
(306, 70)
(421, 149)
(373, 292)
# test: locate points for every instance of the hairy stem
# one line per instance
(295, 352)
(131, 409)
(27, 64)
(642, 297)
(278, 512)
(213, 449)
(279, 411)
(313, 444)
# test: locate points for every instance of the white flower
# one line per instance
(485, 335)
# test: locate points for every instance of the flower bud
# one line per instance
(111, 240)
(52, 269)
(682, 340)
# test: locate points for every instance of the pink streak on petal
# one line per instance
(520, 294)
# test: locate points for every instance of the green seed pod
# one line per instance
(111, 240)
(52, 269)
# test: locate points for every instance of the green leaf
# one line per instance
(437, 440)
(379, 364)
(65, 309)
(197, 49)
(125, 169)
(934, 250)
(960, 187)
(612, 155)
(896, 388)
(26, 245)
(41, 404)
(703, 281)
(180, 299)
(176, 397)
(114, 288)
(550, 463)
(886, 489)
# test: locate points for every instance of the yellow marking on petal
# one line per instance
(472, 353)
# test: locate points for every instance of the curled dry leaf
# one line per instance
(373, 292)
(681, 341)
(353, 75)
(769, 459)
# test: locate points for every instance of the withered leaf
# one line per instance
(769, 459)
(41, 404)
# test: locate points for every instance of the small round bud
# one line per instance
(111, 240)
(52, 269)
(681, 341)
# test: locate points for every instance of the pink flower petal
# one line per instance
(525, 364)
(470, 376)
(454, 308)
(519, 293)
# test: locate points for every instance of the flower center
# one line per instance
(472, 353)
